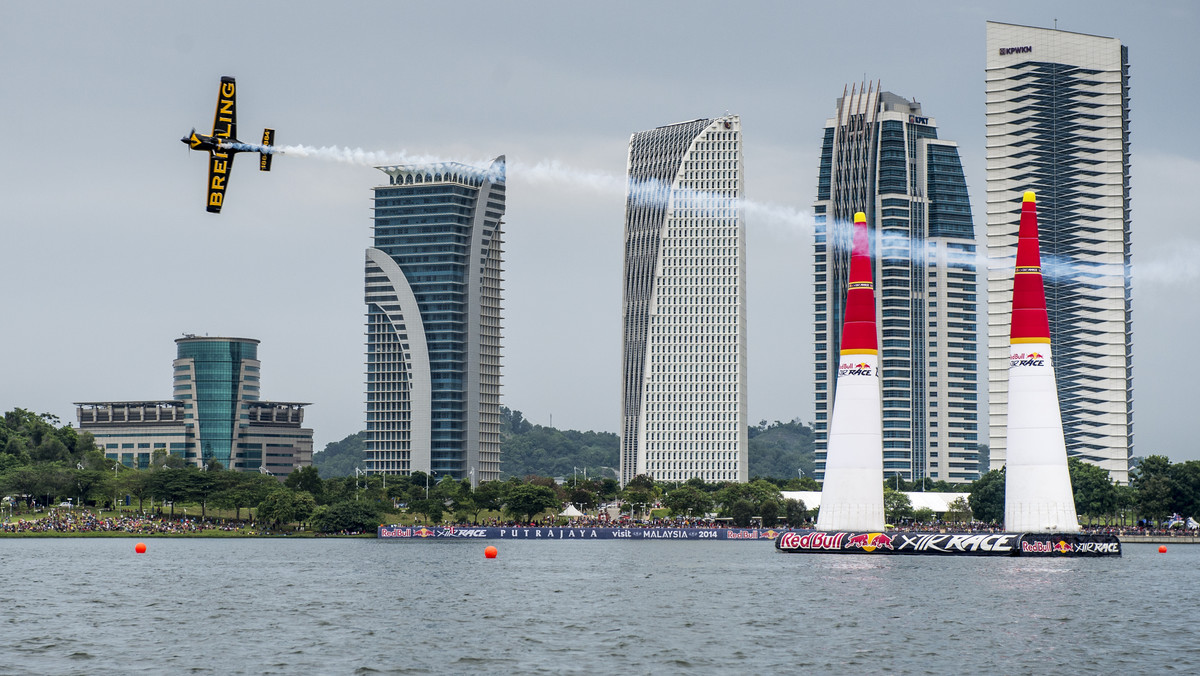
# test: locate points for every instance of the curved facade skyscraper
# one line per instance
(881, 155)
(433, 321)
(683, 388)
(1058, 124)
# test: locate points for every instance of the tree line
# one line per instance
(1157, 489)
(44, 461)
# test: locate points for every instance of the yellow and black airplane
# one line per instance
(223, 144)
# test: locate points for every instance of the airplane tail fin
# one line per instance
(264, 159)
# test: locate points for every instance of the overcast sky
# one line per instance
(107, 253)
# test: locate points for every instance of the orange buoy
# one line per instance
(491, 552)
(140, 548)
(1162, 549)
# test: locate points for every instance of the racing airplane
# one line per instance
(223, 145)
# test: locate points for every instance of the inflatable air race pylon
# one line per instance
(1038, 496)
(852, 494)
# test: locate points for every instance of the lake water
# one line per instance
(355, 606)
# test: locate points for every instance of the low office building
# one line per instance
(216, 415)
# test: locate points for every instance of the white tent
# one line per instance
(571, 512)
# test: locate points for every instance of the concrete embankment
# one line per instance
(1162, 539)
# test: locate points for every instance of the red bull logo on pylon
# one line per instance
(860, 369)
(1030, 359)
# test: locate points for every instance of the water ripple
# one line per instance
(379, 607)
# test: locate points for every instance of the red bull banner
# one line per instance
(949, 544)
(556, 533)
(1069, 544)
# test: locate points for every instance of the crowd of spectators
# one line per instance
(601, 521)
(1142, 529)
(86, 521)
(590, 521)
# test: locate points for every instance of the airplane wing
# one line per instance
(225, 121)
(220, 161)
(219, 166)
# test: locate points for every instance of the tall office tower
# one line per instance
(683, 387)
(1058, 124)
(433, 298)
(881, 155)
(216, 415)
(218, 375)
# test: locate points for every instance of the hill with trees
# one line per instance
(777, 450)
(529, 449)
(341, 457)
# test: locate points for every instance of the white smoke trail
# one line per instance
(655, 192)
(1182, 264)
(344, 155)
(365, 158)
(779, 214)
(552, 171)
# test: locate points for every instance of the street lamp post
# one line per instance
(79, 466)
(357, 473)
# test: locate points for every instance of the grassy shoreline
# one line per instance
(199, 534)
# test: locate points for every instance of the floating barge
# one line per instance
(566, 533)
(949, 544)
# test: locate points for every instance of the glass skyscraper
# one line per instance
(217, 375)
(881, 155)
(683, 387)
(433, 300)
(1058, 124)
